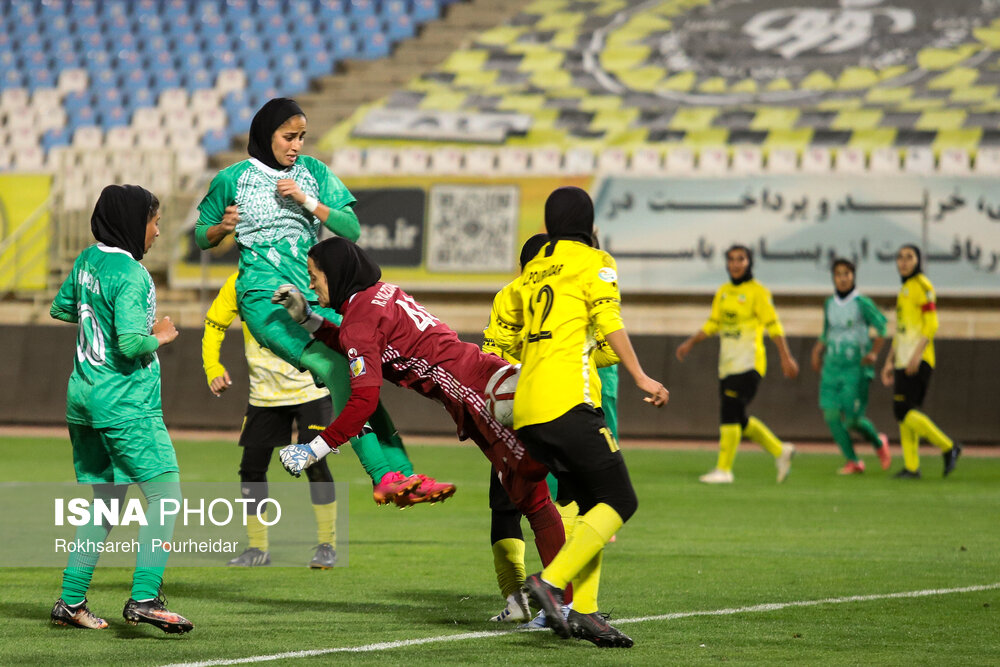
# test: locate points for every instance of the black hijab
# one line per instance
(347, 267)
(120, 218)
(531, 248)
(270, 117)
(840, 261)
(748, 274)
(569, 214)
(919, 267)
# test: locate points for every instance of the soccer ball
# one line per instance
(500, 393)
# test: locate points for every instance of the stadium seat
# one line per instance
(72, 80)
(545, 160)
(884, 160)
(215, 141)
(210, 119)
(954, 161)
(147, 118)
(446, 160)
(782, 161)
(918, 160)
(579, 161)
(347, 161)
(22, 137)
(29, 158)
(481, 160)
(88, 137)
(988, 160)
(646, 161)
(680, 160)
(612, 161)
(120, 138)
(14, 99)
(816, 160)
(713, 160)
(230, 80)
(151, 137)
(512, 160)
(173, 99)
(747, 160)
(192, 161)
(849, 160)
(380, 160)
(413, 160)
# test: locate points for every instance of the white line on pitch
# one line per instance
(771, 606)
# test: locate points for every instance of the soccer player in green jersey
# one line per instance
(113, 403)
(846, 353)
(274, 204)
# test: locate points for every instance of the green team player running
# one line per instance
(274, 203)
(113, 403)
(847, 354)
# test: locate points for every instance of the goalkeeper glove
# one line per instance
(291, 299)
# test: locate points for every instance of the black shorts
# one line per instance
(735, 394)
(909, 391)
(268, 427)
(579, 440)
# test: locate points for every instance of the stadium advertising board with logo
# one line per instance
(670, 235)
(427, 233)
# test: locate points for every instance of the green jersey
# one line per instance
(274, 233)
(845, 328)
(111, 295)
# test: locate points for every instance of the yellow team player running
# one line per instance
(910, 363)
(279, 396)
(741, 311)
(566, 294)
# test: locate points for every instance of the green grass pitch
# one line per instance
(427, 572)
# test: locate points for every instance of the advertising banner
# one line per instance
(669, 235)
(436, 233)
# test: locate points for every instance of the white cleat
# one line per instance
(784, 461)
(717, 476)
(516, 610)
(297, 458)
(538, 622)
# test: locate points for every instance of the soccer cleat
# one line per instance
(78, 616)
(717, 476)
(325, 557)
(852, 468)
(951, 458)
(884, 457)
(252, 557)
(784, 461)
(538, 622)
(429, 491)
(907, 474)
(596, 629)
(297, 458)
(155, 613)
(516, 609)
(392, 485)
(550, 599)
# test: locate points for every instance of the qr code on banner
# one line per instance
(472, 228)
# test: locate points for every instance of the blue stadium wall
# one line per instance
(38, 360)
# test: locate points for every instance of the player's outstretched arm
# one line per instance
(685, 348)
(789, 366)
(619, 341)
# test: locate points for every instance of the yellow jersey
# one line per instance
(273, 382)
(740, 315)
(503, 338)
(564, 297)
(916, 318)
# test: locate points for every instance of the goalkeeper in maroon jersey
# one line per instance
(385, 334)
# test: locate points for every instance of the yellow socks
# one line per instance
(923, 427)
(762, 435)
(326, 523)
(592, 532)
(257, 531)
(586, 583)
(910, 444)
(570, 514)
(729, 440)
(508, 561)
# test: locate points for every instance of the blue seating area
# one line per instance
(109, 59)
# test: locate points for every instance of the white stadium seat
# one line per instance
(579, 161)
(713, 160)
(380, 160)
(884, 160)
(413, 161)
(783, 161)
(988, 160)
(512, 160)
(88, 137)
(612, 161)
(849, 160)
(747, 160)
(816, 160)
(146, 118)
(954, 161)
(481, 161)
(173, 99)
(680, 160)
(918, 160)
(446, 160)
(230, 80)
(646, 161)
(546, 160)
(347, 161)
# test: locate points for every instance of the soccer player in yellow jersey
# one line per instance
(741, 311)
(910, 362)
(279, 396)
(566, 294)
